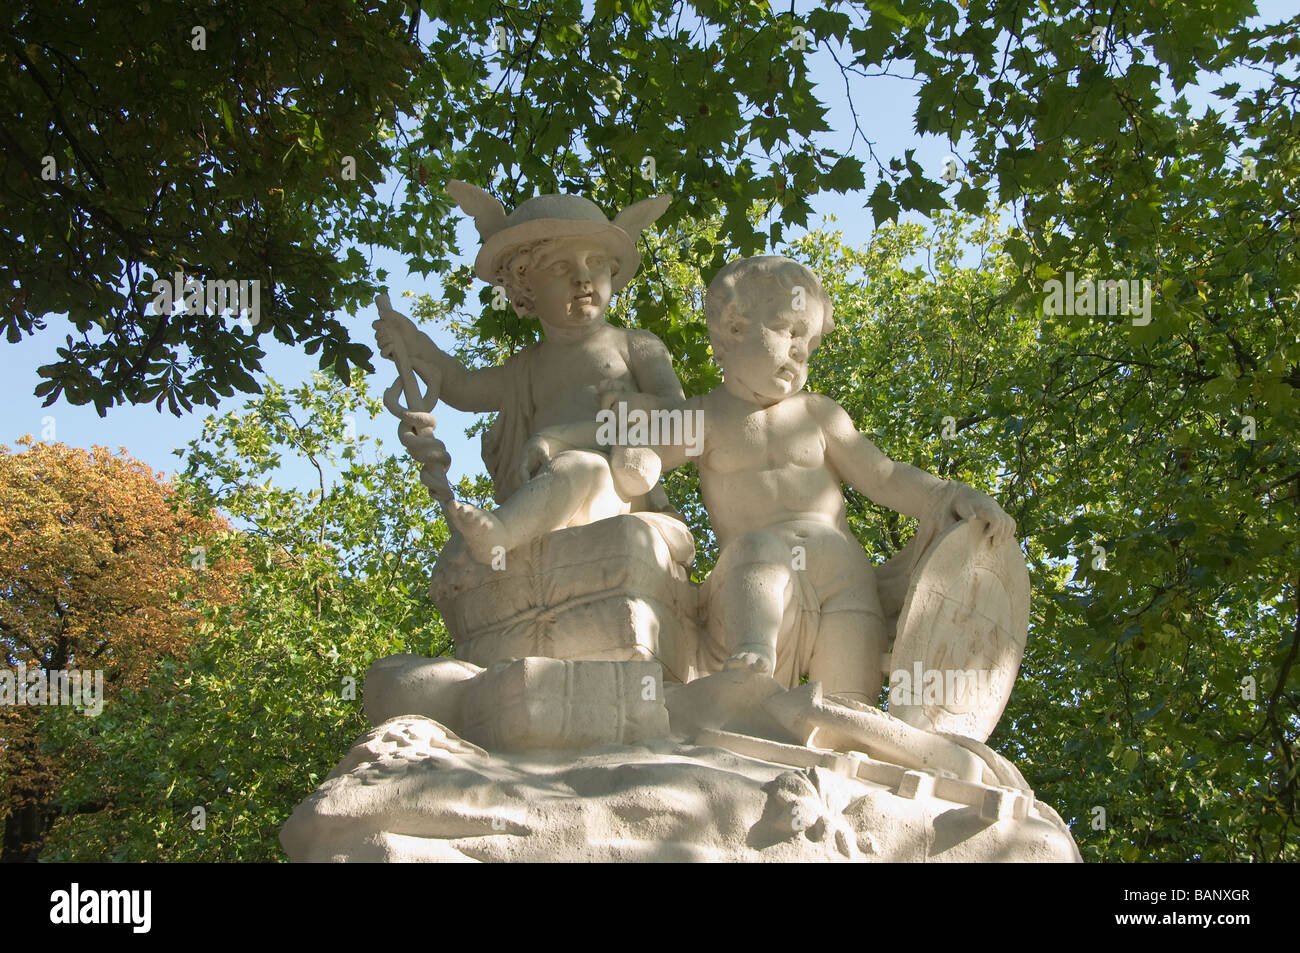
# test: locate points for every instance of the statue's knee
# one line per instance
(385, 671)
(582, 465)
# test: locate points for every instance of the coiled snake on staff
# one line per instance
(415, 430)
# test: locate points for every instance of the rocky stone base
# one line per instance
(412, 790)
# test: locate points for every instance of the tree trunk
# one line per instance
(26, 829)
(31, 794)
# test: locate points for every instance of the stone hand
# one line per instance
(974, 505)
(538, 451)
(610, 392)
(393, 329)
(424, 447)
(613, 393)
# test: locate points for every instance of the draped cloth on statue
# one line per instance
(503, 444)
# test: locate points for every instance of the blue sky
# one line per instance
(151, 435)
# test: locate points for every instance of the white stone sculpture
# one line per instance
(604, 707)
(529, 578)
(559, 261)
(793, 593)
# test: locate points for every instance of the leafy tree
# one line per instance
(1062, 109)
(1164, 452)
(253, 717)
(1159, 682)
(135, 147)
(101, 568)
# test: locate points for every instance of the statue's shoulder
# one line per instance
(641, 337)
(817, 403)
(639, 346)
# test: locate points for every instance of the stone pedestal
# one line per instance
(616, 590)
(410, 790)
(549, 704)
(576, 725)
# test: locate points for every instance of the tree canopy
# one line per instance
(101, 568)
(1158, 706)
(206, 762)
(230, 161)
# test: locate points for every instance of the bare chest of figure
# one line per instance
(567, 380)
(783, 437)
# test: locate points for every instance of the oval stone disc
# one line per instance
(961, 634)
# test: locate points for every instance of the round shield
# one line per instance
(961, 634)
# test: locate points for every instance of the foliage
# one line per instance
(228, 162)
(252, 719)
(1136, 691)
(167, 162)
(97, 572)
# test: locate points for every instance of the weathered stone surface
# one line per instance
(592, 713)
(615, 590)
(412, 791)
(415, 685)
(544, 703)
(966, 617)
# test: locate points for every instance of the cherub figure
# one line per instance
(793, 593)
(559, 260)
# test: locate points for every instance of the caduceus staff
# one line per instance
(415, 430)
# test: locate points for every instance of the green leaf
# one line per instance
(883, 207)
(845, 175)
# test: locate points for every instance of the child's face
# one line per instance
(571, 285)
(770, 359)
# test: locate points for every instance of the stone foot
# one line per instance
(483, 531)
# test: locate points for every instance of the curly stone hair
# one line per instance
(744, 285)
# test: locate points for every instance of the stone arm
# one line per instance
(475, 390)
(901, 487)
(657, 386)
(471, 389)
(672, 456)
(637, 469)
(652, 368)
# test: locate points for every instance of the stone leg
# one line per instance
(846, 659)
(752, 598)
(574, 489)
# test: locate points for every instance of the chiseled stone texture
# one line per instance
(410, 790)
(615, 590)
(545, 703)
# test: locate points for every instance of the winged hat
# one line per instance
(554, 216)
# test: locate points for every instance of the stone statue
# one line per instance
(602, 705)
(581, 522)
(793, 592)
(560, 261)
